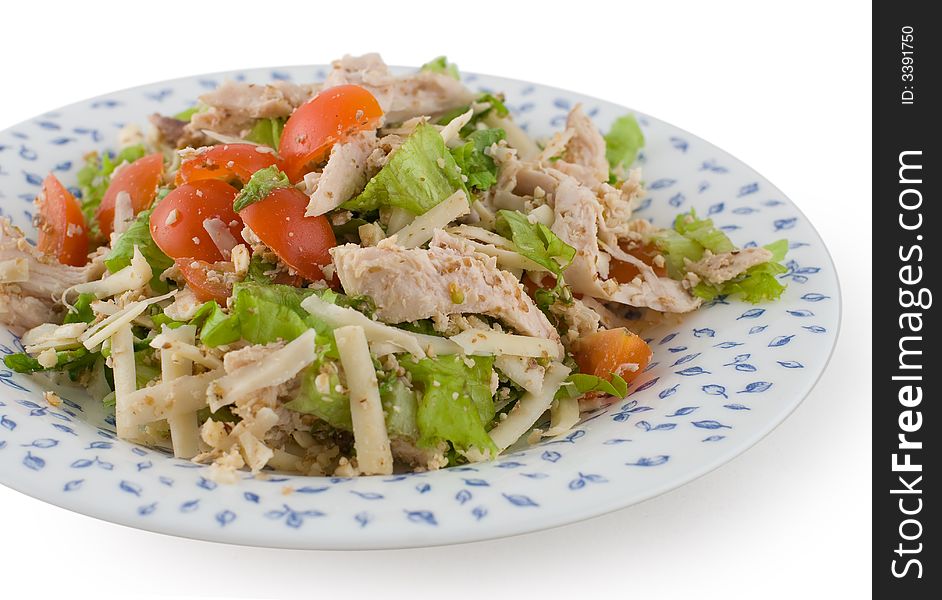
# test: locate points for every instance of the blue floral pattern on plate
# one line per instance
(719, 381)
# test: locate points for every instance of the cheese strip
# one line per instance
(398, 218)
(165, 400)
(487, 342)
(506, 258)
(184, 430)
(564, 414)
(277, 368)
(370, 439)
(132, 277)
(529, 408)
(104, 329)
(523, 371)
(125, 379)
(439, 216)
(415, 344)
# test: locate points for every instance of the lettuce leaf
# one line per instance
(73, 361)
(578, 384)
(441, 65)
(759, 284)
(456, 401)
(622, 142)
(398, 399)
(419, 175)
(94, 177)
(478, 167)
(81, 311)
(257, 188)
(267, 131)
(703, 232)
(138, 234)
(687, 240)
(535, 241)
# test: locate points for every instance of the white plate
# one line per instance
(720, 380)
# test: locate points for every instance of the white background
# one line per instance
(784, 87)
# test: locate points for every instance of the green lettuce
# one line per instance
(578, 384)
(81, 310)
(398, 400)
(267, 131)
(138, 234)
(535, 241)
(456, 401)
(441, 65)
(263, 182)
(497, 107)
(74, 362)
(419, 175)
(759, 284)
(687, 240)
(95, 175)
(478, 167)
(623, 142)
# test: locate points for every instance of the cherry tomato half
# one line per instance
(140, 180)
(62, 231)
(301, 242)
(177, 221)
(227, 162)
(328, 118)
(207, 280)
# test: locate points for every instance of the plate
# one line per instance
(719, 381)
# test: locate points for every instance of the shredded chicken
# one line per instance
(345, 174)
(401, 98)
(720, 268)
(448, 278)
(233, 108)
(23, 303)
(586, 146)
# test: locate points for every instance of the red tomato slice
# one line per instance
(207, 280)
(62, 231)
(177, 221)
(326, 119)
(608, 351)
(301, 242)
(227, 162)
(140, 180)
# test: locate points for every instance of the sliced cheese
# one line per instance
(184, 429)
(277, 368)
(123, 214)
(132, 277)
(370, 438)
(125, 378)
(106, 328)
(416, 344)
(564, 414)
(487, 342)
(439, 216)
(529, 408)
(451, 132)
(523, 371)
(165, 400)
(542, 214)
(220, 235)
(14, 270)
(398, 218)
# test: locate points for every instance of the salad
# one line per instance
(369, 274)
